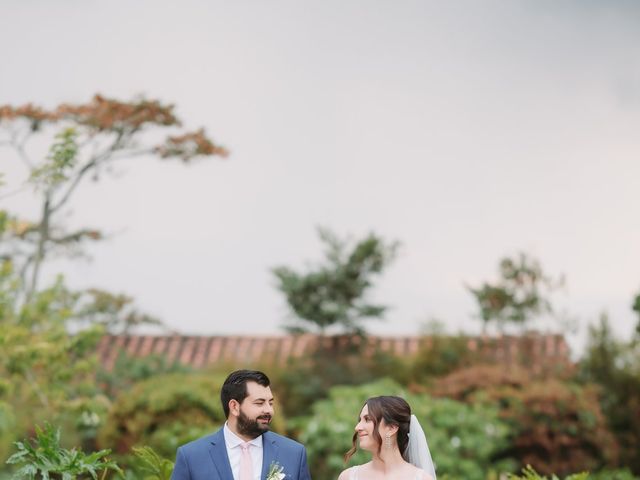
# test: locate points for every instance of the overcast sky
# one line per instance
(465, 130)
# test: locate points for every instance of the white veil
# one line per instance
(417, 452)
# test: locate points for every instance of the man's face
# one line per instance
(255, 411)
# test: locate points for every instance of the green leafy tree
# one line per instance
(332, 294)
(128, 370)
(614, 365)
(116, 312)
(47, 372)
(556, 425)
(89, 139)
(441, 355)
(520, 294)
(636, 308)
(302, 381)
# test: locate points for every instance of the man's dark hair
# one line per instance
(235, 386)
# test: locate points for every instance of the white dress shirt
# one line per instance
(234, 452)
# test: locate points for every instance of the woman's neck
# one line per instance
(387, 460)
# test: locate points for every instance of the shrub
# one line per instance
(557, 426)
(167, 411)
(7, 426)
(44, 458)
(615, 366)
(529, 473)
(128, 370)
(164, 412)
(152, 465)
(440, 355)
(624, 474)
(306, 380)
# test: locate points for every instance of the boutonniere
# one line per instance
(276, 472)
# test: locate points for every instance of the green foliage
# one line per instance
(331, 295)
(164, 412)
(615, 366)
(61, 159)
(528, 473)
(636, 308)
(7, 423)
(556, 425)
(128, 370)
(441, 355)
(154, 467)
(519, 295)
(115, 312)
(90, 137)
(44, 458)
(607, 474)
(48, 374)
(462, 438)
(309, 379)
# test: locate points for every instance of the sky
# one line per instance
(467, 131)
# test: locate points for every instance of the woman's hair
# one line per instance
(395, 411)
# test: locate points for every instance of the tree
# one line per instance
(557, 426)
(636, 308)
(615, 366)
(90, 138)
(518, 296)
(49, 373)
(331, 295)
(48, 336)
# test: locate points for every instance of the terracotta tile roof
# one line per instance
(205, 351)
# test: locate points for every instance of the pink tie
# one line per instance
(246, 465)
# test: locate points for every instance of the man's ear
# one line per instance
(234, 407)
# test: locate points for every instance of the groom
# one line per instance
(244, 449)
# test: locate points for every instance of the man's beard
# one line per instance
(251, 427)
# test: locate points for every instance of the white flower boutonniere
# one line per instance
(276, 472)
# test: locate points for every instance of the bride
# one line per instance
(396, 441)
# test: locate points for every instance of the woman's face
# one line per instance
(364, 429)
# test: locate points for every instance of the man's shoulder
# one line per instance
(203, 442)
(281, 440)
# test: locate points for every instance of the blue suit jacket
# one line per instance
(206, 458)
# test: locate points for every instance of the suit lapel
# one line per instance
(269, 452)
(218, 452)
